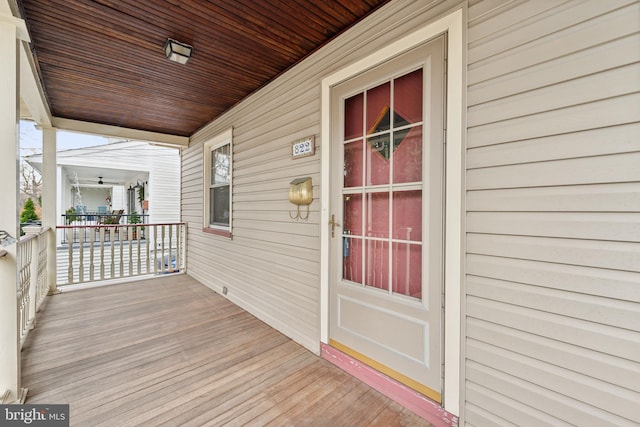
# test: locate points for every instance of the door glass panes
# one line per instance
(378, 165)
(408, 99)
(352, 259)
(407, 269)
(353, 113)
(383, 180)
(407, 155)
(377, 249)
(352, 214)
(377, 215)
(407, 215)
(353, 164)
(352, 247)
(377, 263)
(378, 102)
(381, 146)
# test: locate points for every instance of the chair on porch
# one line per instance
(111, 219)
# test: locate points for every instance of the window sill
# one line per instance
(223, 233)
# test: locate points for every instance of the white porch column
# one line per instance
(49, 200)
(9, 184)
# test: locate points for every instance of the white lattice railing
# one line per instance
(32, 285)
(104, 252)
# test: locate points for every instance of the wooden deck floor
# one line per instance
(169, 351)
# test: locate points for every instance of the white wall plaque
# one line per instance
(303, 148)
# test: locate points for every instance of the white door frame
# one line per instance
(454, 197)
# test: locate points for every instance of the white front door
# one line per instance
(387, 225)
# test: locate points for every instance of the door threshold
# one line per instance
(406, 396)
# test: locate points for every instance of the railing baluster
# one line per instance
(121, 260)
(155, 249)
(148, 238)
(70, 233)
(177, 256)
(81, 255)
(129, 230)
(163, 246)
(163, 231)
(92, 236)
(112, 239)
(139, 241)
(170, 259)
(101, 253)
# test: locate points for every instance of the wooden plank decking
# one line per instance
(169, 351)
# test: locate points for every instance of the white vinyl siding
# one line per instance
(163, 188)
(553, 205)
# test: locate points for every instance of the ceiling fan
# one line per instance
(101, 181)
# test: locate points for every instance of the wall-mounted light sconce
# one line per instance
(301, 193)
(177, 51)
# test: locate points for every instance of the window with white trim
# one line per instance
(218, 168)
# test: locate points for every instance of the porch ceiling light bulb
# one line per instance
(177, 52)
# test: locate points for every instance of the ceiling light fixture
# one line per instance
(177, 52)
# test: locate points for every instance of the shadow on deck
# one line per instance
(169, 351)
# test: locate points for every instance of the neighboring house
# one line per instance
(110, 177)
(474, 229)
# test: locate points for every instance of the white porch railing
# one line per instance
(32, 286)
(104, 252)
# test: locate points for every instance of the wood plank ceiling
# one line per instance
(102, 61)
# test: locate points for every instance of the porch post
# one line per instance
(49, 201)
(9, 154)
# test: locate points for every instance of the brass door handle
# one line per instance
(333, 224)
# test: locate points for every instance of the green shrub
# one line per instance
(69, 215)
(134, 218)
(28, 212)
